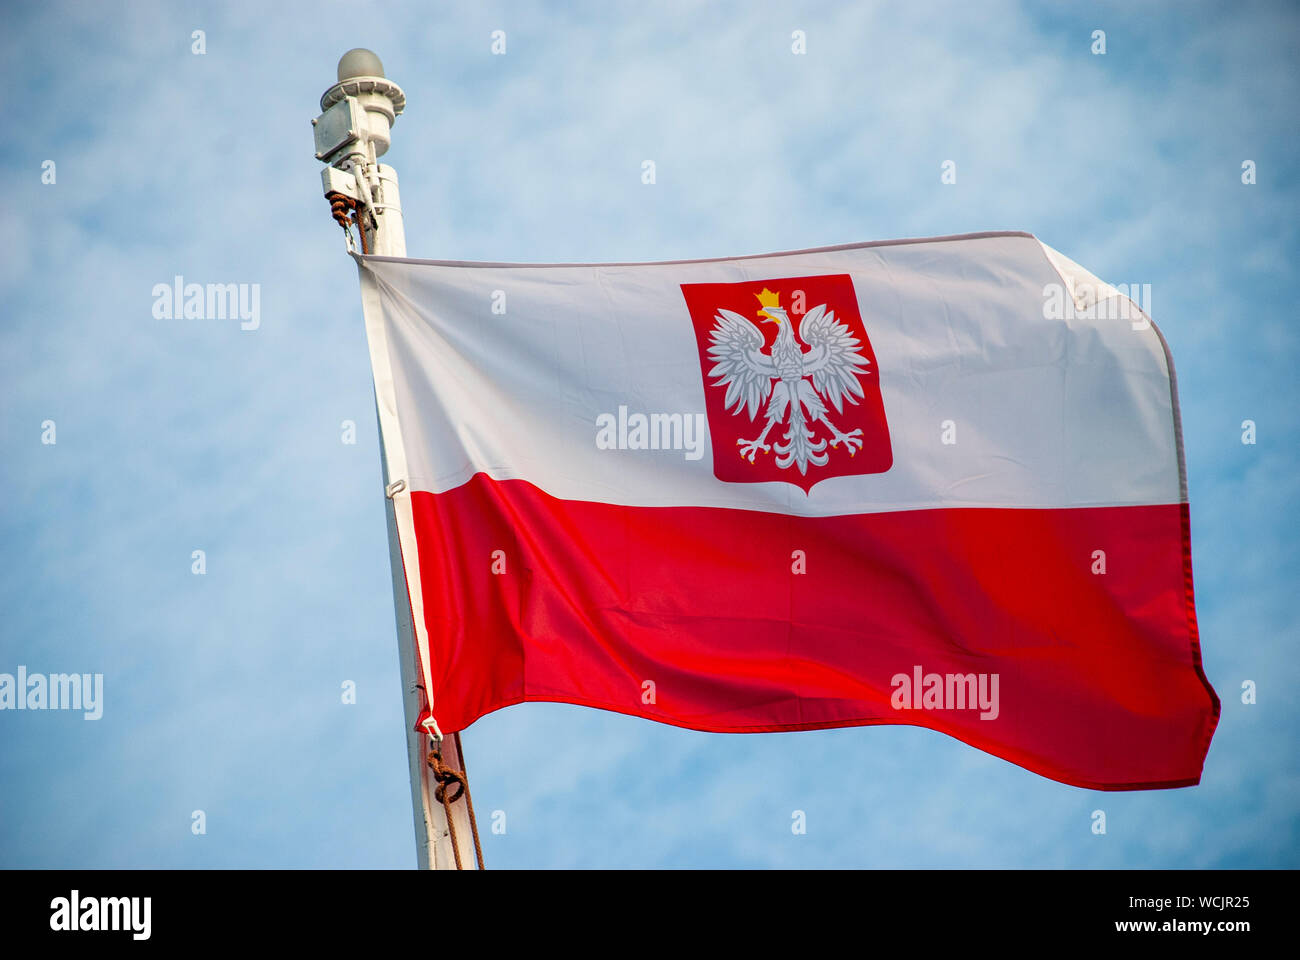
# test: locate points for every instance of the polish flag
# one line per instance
(933, 482)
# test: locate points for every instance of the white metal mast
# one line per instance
(354, 130)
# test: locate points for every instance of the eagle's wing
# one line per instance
(736, 348)
(834, 362)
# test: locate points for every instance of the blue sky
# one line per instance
(222, 692)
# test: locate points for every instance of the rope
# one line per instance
(448, 777)
(365, 248)
(340, 204)
(469, 802)
(345, 212)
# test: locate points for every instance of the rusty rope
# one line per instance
(345, 212)
(365, 248)
(340, 205)
(450, 779)
(469, 802)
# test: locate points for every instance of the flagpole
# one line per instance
(351, 134)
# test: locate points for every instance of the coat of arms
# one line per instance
(805, 373)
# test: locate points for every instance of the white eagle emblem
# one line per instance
(781, 378)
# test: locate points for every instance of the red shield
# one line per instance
(731, 429)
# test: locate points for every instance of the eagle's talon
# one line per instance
(749, 448)
(852, 440)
